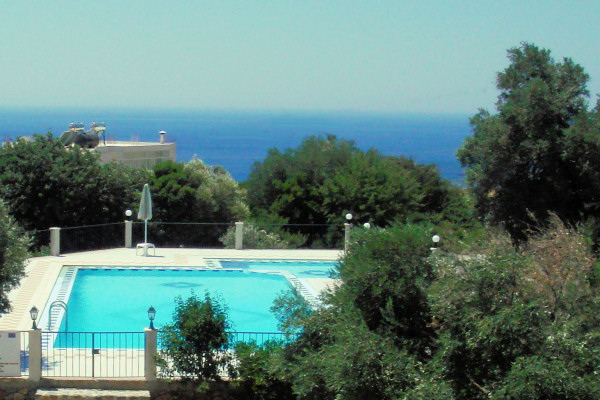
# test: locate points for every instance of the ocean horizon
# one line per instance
(237, 139)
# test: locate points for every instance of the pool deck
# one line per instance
(42, 272)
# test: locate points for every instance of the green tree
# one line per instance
(524, 162)
(373, 337)
(325, 178)
(493, 322)
(517, 324)
(45, 185)
(195, 193)
(391, 298)
(13, 253)
(193, 345)
(256, 379)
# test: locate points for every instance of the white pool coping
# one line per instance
(43, 272)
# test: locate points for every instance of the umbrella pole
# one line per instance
(146, 238)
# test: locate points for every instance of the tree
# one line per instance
(13, 253)
(494, 322)
(193, 345)
(195, 193)
(325, 178)
(256, 379)
(520, 324)
(45, 185)
(373, 337)
(524, 162)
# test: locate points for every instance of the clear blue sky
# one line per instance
(378, 55)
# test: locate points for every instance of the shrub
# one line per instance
(257, 377)
(192, 346)
(255, 238)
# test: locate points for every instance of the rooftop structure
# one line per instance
(136, 154)
(132, 154)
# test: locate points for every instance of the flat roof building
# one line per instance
(136, 154)
(132, 154)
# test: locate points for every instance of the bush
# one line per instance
(257, 379)
(193, 345)
(255, 238)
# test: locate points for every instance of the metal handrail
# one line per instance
(59, 303)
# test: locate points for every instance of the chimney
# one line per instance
(162, 137)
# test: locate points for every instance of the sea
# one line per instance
(238, 139)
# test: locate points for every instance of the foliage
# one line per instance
(325, 178)
(257, 379)
(193, 344)
(47, 185)
(291, 309)
(392, 297)
(254, 238)
(508, 318)
(195, 193)
(372, 337)
(13, 253)
(492, 322)
(540, 152)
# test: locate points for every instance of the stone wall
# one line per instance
(17, 389)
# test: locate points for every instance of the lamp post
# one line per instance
(347, 226)
(151, 315)
(128, 229)
(34, 314)
(435, 239)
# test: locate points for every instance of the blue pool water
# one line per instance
(301, 269)
(114, 299)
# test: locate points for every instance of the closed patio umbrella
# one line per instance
(145, 213)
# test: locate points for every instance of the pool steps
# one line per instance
(299, 284)
(61, 292)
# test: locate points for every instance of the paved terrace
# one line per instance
(42, 272)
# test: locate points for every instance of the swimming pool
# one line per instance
(116, 299)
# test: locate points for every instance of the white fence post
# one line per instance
(239, 235)
(35, 355)
(346, 235)
(128, 234)
(150, 354)
(55, 241)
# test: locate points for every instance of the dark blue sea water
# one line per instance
(236, 140)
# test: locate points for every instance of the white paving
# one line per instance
(42, 272)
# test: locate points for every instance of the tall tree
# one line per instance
(195, 193)
(494, 322)
(326, 177)
(522, 163)
(46, 184)
(373, 337)
(520, 323)
(13, 253)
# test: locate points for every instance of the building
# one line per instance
(133, 154)
(136, 154)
